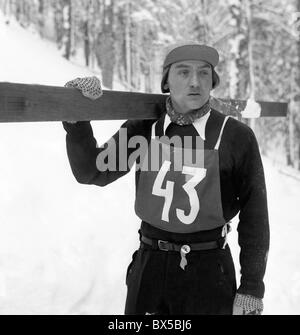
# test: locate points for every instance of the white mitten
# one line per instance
(247, 305)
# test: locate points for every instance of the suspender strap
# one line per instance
(153, 130)
(221, 133)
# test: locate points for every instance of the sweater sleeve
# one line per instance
(253, 227)
(83, 152)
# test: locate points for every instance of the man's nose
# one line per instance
(194, 81)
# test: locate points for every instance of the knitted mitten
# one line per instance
(247, 305)
(89, 86)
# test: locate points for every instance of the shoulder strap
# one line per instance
(153, 130)
(158, 127)
(221, 133)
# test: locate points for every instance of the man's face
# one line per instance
(190, 83)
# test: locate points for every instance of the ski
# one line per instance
(38, 103)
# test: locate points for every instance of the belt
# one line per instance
(168, 246)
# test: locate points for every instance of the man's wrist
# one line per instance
(78, 129)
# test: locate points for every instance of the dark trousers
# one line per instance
(157, 285)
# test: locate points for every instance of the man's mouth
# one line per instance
(194, 94)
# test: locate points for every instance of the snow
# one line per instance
(64, 247)
(59, 246)
(165, 38)
(283, 271)
(252, 109)
(143, 15)
(233, 2)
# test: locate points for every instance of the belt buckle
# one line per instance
(162, 245)
(185, 249)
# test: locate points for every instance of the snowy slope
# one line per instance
(282, 278)
(58, 249)
(64, 247)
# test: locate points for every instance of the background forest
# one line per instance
(125, 40)
(258, 41)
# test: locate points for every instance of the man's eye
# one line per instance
(184, 72)
(205, 73)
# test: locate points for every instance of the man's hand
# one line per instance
(247, 305)
(90, 87)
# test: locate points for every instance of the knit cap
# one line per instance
(188, 51)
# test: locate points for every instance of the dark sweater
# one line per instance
(242, 181)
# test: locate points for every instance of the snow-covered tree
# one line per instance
(258, 42)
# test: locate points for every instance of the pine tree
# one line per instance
(275, 48)
(295, 99)
(105, 51)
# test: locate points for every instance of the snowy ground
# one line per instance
(64, 247)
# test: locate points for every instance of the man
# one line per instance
(184, 265)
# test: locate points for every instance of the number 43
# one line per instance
(198, 174)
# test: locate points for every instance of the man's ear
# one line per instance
(166, 86)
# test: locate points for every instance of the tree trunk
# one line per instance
(250, 56)
(67, 28)
(204, 22)
(41, 9)
(106, 45)
(58, 23)
(128, 45)
(7, 8)
(294, 108)
(297, 82)
(290, 140)
(235, 52)
(86, 42)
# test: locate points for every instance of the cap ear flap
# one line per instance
(164, 82)
(215, 79)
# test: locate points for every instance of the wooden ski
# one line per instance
(35, 103)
